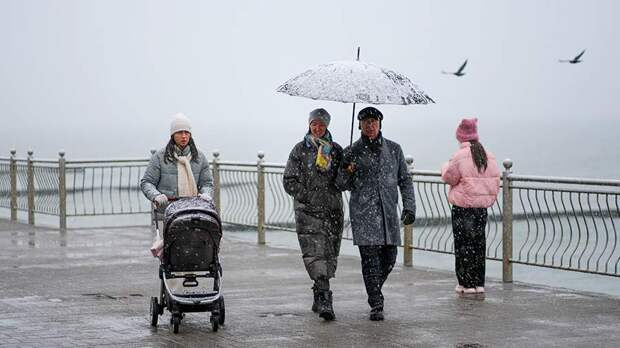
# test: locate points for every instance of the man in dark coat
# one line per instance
(373, 169)
(309, 177)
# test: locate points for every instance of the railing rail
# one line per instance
(553, 222)
(565, 180)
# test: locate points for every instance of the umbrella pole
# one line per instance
(353, 114)
(352, 122)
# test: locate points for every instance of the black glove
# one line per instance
(407, 217)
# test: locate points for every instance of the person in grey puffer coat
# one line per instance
(309, 177)
(179, 169)
(374, 169)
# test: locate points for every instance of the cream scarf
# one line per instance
(185, 177)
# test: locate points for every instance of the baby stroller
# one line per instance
(190, 271)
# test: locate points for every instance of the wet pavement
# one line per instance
(90, 287)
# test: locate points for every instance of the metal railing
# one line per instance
(561, 223)
(96, 188)
(71, 188)
(565, 223)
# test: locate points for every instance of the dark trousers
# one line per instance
(377, 263)
(468, 226)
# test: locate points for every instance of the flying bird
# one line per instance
(458, 72)
(574, 60)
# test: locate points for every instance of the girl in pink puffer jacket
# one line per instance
(473, 176)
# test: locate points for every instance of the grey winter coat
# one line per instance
(318, 208)
(380, 171)
(161, 176)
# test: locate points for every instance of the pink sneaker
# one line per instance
(459, 289)
(469, 291)
(480, 289)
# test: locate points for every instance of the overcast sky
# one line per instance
(102, 78)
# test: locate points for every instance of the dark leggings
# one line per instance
(468, 226)
(377, 263)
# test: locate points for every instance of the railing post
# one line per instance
(62, 191)
(216, 181)
(507, 223)
(260, 170)
(408, 233)
(30, 187)
(13, 175)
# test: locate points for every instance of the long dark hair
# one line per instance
(478, 155)
(169, 154)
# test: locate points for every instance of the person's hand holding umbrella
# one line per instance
(348, 163)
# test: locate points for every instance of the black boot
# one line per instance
(326, 310)
(315, 303)
(376, 313)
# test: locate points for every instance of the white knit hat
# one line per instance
(180, 123)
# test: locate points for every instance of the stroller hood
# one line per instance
(188, 205)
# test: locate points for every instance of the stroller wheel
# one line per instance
(174, 322)
(222, 316)
(154, 310)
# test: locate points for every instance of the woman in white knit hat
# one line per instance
(179, 169)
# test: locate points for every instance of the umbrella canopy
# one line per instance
(355, 82)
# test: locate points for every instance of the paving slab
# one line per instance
(91, 287)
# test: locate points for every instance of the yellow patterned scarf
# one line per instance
(324, 146)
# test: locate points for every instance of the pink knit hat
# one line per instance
(467, 130)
